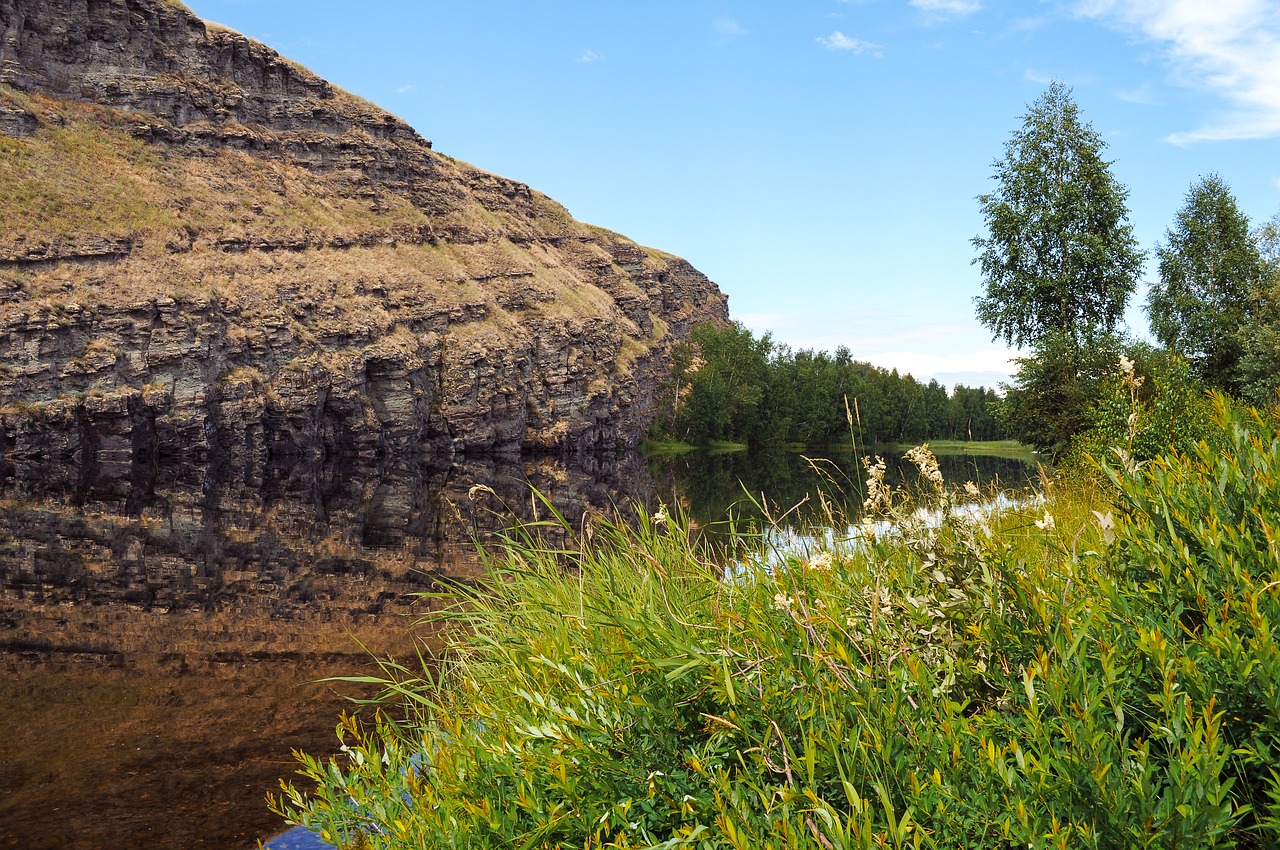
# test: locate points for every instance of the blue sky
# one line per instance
(818, 159)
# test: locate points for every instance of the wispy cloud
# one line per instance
(1040, 78)
(996, 362)
(839, 41)
(1143, 94)
(590, 56)
(1231, 48)
(405, 89)
(1030, 24)
(1276, 182)
(948, 8)
(728, 26)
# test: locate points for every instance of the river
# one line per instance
(164, 631)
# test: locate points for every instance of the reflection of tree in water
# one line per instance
(714, 487)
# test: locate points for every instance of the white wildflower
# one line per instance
(782, 602)
(926, 463)
(820, 562)
(877, 491)
(972, 489)
(1107, 523)
(1131, 380)
(661, 516)
(1046, 524)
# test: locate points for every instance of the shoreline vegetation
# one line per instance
(1012, 449)
(727, 385)
(1095, 669)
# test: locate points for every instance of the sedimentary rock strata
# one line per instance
(210, 252)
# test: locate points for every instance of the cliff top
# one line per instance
(208, 249)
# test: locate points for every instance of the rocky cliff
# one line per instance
(209, 251)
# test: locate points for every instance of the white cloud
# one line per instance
(839, 41)
(1229, 47)
(728, 26)
(590, 56)
(952, 351)
(948, 7)
(1037, 77)
(1276, 182)
(405, 89)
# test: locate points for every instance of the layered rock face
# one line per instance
(208, 251)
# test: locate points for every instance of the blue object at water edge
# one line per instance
(298, 838)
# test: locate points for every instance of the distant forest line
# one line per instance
(729, 385)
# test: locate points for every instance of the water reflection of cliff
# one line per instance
(161, 631)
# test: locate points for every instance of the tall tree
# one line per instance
(1211, 282)
(1260, 337)
(1059, 256)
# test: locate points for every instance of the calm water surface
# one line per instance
(163, 631)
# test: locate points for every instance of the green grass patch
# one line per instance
(663, 448)
(1098, 670)
(722, 447)
(990, 448)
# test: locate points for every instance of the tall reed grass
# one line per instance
(1099, 670)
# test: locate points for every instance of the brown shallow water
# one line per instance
(144, 756)
(161, 636)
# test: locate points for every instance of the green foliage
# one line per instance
(726, 379)
(1259, 367)
(1211, 279)
(1055, 388)
(1259, 364)
(1199, 571)
(1059, 258)
(1147, 406)
(727, 385)
(1096, 678)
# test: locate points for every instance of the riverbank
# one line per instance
(1048, 676)
(1006, 448)
(984, 448)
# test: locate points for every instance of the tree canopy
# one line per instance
(1059, 256)
(1211, 282)
(726, 384)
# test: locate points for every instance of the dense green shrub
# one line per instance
(1048, 403)
(1064, 674)
(1199, 570)
(1145, 407)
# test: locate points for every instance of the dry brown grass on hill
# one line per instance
(91, 178)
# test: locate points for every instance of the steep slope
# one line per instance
(208, 250)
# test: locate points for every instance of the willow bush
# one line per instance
(1075, 672)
